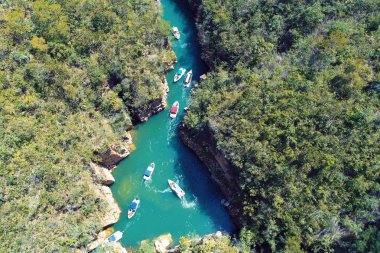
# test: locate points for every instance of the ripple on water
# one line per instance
(162, 191)
(188, 204)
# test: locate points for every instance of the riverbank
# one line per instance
(109, 159)
(226, 176)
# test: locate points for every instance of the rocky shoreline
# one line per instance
(102, 180)
(114, 154)
(203, 144)
(154, 106)
(226, 176)
(199, 240)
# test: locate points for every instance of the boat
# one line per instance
(176, 33)
(179, 74)
(133, 207)
(189, 77)
(115, 236)
(174, 110)
(149, 171)
(175, 187)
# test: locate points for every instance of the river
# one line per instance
(158, 140)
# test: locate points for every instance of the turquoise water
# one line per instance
(158, 140)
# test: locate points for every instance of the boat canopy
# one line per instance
(147, 173)
(133, 205)
(112, 238)
(174, 109)
(179, 72)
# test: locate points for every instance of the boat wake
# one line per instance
(163, 191)
(184, 93)
(183, 45)
(171, 132)
(131, 222)
(186, 204)
(147, 183)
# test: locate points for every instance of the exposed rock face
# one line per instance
(155, 106)
(114, 247)
(117, 248)
(113, 211)
(102, 174)
(99, 240)
(162, 243)
(225, 175)
(216, 236)
(114, 154)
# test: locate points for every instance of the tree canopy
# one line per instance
(293, 103)
(61, 65)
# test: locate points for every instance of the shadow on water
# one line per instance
(197, 178)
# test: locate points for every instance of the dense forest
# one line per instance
(72, 74)
(293, 102)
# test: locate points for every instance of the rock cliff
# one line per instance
(112, 212)
(102, 174)
(199, 240)
(226, 176)
(115, 153)
(154, 106)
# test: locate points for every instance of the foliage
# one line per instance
(209, 243)
(59, 60)
(293, 103)
(146, 247)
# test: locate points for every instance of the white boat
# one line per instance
(133, 207)
(149, 171)
(174, 110)
(188, 78)
(175, 187)
(176, 33)
(115, 236)
(179, 74)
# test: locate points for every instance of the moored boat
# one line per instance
(115, 236)
(149, 171)
(176, 33)
(174, 110)
(133, 207)
(175, 187)
(179, 74)
(189, 77)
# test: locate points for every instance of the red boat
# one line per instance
(174, 110)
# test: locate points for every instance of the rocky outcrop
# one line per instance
(199, 240)
(100, 238)
(225, 175)
(111, 216)
(154, 106)
(116, 152)
(112, 212)
(117, 248)
(114, 247)
(101, 242)
(170, 58)
(162, 243)
(102, 174)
